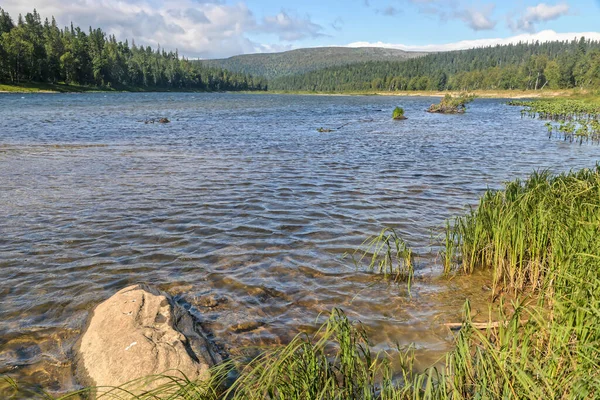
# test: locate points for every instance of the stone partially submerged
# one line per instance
(398, 114)
(451, 105)
(139, 332)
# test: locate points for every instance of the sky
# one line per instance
(223, 28)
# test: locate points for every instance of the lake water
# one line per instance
(241, 209)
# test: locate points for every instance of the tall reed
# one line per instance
(530, 229)
(387, 254)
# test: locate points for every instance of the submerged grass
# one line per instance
(540, 238)
(387, 254)
(572, 119)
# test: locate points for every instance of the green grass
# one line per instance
(572, 119)
(539, 239)
(67, 88)
(452, 105)
(386, 254)
(398, 113)
(47, 87)
(532, 229)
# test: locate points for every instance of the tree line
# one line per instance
(40, 52)
(521, 66)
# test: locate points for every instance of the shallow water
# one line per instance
(242, 209)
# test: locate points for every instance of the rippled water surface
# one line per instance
(242, 209)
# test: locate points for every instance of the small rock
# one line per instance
(247, 326)
(163, 121)
(211, 301)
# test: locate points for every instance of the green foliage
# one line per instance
(574, 120)
(33, 51)
(452, 105)
(533, 229)
(398, 113)
(387, 254)
(273, 65)
(522, 66)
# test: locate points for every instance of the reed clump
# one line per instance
(572, 120)
(530, 230)
(387, 254)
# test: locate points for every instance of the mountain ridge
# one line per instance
(299, 61)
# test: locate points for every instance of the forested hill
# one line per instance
(518, 66)
(273, 65)
(32, 51)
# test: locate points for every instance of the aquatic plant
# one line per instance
(573, 120)
(529, 229)
(398, 113)
(452, 105)
(387, 254)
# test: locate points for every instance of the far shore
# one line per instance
(492, 94)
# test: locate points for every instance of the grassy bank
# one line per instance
(539, 239)
(46, 88)
(65, 88)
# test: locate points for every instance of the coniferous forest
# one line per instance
(32, 51)
(522, 66)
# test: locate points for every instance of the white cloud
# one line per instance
(478, 17)
(540, 13)
(291, 28)
(478, 20)
(197, 28)
(543, 36)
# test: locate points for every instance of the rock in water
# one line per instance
(139, 332)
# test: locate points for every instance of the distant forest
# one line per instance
(32, 51)
(293, 62)
(555, 65)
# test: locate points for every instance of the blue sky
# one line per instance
(432, 22)
(221, 28)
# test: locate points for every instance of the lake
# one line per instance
(241, 209)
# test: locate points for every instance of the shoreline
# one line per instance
(489, 94)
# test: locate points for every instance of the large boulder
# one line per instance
(139, 332)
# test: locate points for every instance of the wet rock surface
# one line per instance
(139, 332)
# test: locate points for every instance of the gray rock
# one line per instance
(139, 332)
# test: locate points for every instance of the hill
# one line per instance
(556, 65)
(273, 65)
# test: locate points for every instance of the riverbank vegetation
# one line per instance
(572, 119)
(540, 240)
(36, 52)
(523, 66)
